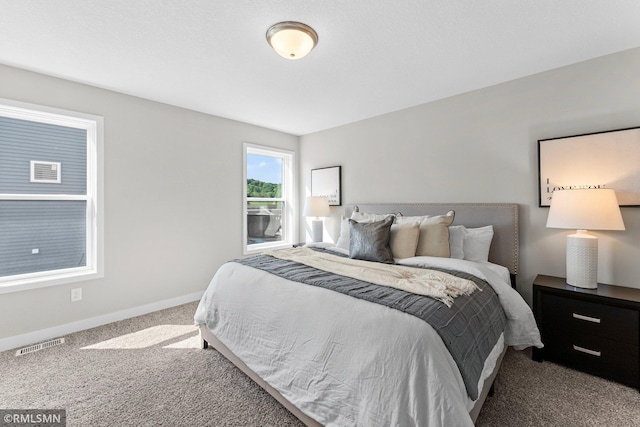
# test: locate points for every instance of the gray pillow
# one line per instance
(370, 241)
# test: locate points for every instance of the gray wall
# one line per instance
(172, 211)
(482, 147)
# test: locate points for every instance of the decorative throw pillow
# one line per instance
(456, 241)
(363, 216)
(370, 241)
(477, 242)
(434, 234)
(344, 238)
(404, 239)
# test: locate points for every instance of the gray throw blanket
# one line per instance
(470, 328)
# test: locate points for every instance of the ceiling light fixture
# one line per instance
(292, 40)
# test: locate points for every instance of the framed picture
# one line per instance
(327, 182)
(608, 159)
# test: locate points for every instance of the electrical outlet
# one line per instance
(76, 294)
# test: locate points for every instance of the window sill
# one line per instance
(42, 280)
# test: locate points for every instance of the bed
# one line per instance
(331, 356)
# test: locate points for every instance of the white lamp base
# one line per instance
(316, 230)
(582, 260)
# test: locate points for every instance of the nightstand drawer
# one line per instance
(588, 318)
(607, 358)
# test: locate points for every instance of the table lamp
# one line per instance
(316, 206)
(584, 209)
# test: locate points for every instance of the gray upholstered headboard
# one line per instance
(503, 217)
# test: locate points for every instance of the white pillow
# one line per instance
(404, 239)
(345, 235)
(456, 241)
(477, 242)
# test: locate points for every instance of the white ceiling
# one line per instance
(373, 56)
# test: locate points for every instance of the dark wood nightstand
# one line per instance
(592, 330)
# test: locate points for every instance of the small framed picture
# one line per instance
(327, 182)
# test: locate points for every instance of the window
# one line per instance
(268, 198)
(50, 196)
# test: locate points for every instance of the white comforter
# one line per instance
(344, 361)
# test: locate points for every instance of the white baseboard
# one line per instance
(81, 325)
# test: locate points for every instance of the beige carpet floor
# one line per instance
(149, 371)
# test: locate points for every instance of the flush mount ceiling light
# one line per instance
(292, 40)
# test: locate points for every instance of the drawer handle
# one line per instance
(586, 350)
(587, 318)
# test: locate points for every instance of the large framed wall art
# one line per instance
(609, 159)
(327, 182)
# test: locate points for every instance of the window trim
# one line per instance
(94, 197)
(288, 196)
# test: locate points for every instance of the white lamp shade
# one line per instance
(585, 209)
(292, 40)
(316, 206)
